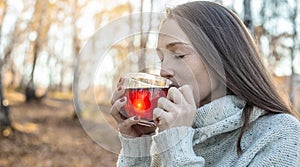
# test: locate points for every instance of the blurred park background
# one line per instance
(40, 44)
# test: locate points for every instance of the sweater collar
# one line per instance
(220, 116)
(218, 110)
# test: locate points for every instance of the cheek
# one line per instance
(204, 84)
(203, 87)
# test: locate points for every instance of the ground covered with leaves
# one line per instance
(46, 134)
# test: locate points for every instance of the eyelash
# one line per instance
(176, 56)
(180, 56)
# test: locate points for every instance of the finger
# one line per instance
(126, 124)
(117, 94)
(158, 115)
(162, 119)
(115, 109)
(175, 95)
(166, 104)
(187, 93)
(121, 81)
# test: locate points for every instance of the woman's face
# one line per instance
(182, 65)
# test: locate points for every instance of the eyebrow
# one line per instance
(172, 44)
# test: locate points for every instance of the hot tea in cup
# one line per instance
(142, 91)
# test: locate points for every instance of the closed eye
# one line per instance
(180, 56)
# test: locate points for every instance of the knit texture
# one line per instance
(270, 140)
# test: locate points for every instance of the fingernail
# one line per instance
(120, 88)
(122, 99)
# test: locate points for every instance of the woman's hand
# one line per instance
(127, 126)
(178, 109)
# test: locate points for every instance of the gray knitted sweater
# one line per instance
(270, 140)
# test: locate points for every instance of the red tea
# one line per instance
(142, 101)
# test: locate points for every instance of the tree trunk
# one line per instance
(41, 11)
(30, 89)
(4, 108)
(141, 61)
(293, 54)
(144, 37)
(130, 45)
(248, 16)
(76, 49)
(61, 85)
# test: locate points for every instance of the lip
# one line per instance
(174, 84)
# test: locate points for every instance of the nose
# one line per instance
(166, 73)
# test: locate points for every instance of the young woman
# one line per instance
(223, 109)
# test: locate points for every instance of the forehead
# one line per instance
(171, 32)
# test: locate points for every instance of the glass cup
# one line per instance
(142, 91)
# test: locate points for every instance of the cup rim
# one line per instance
(131, 80)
